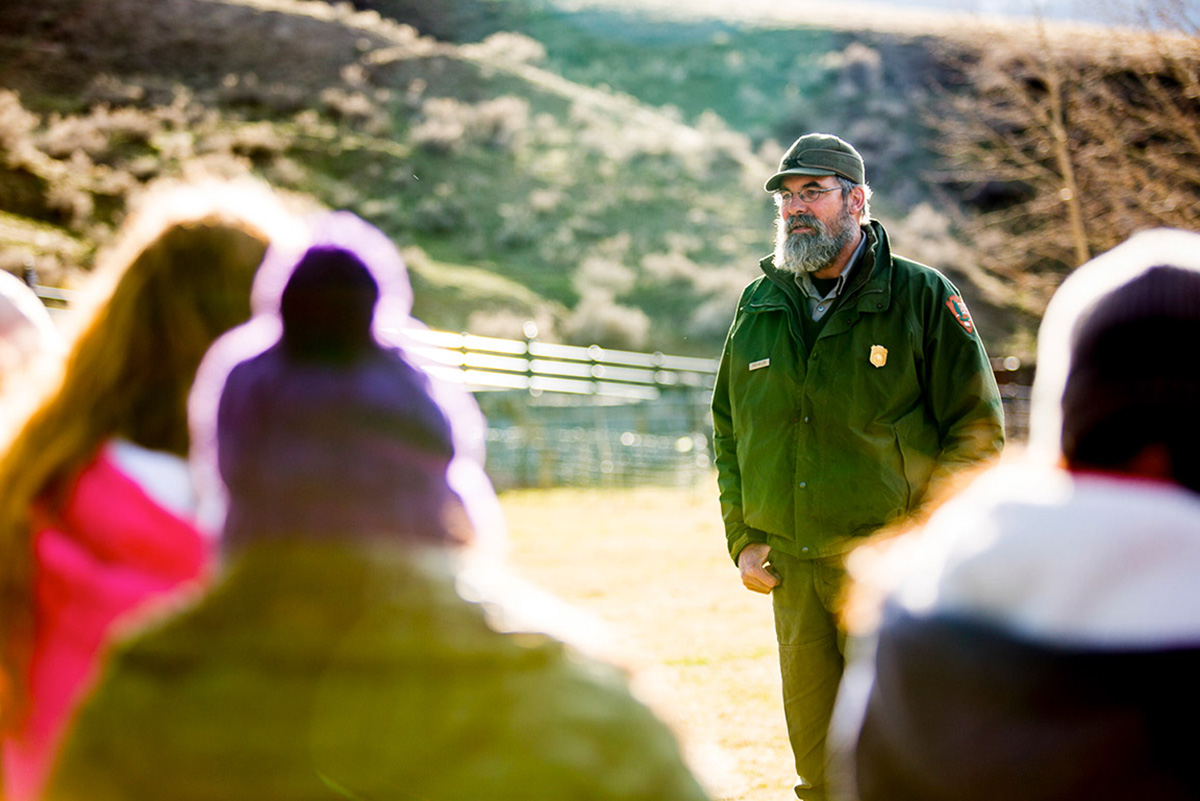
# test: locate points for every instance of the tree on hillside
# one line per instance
(1064, 145)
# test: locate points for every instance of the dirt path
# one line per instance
(651, 564)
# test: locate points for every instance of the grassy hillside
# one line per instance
(768, 81)
(579, 199)
(598, 176)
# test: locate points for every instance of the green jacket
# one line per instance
(335, 672)
(818, 444)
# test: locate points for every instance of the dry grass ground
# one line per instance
(651, 564)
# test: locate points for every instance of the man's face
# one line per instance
(810, 235)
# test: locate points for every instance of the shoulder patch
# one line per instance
(959, 310)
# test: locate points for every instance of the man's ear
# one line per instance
(857, 199)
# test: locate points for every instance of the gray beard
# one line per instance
(798, 253)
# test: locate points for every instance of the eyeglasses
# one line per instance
(808, 195)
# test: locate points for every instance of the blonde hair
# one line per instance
(179, 276)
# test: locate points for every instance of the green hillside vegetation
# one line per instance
(768, 82)
(597, 175)
(1003, 153)
(579, 199)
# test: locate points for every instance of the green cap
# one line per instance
(819, 154)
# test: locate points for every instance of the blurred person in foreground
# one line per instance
(96, 501)
(851, 381)
(31, 348)
(27, 333)
(1039, 637)
(360, 642)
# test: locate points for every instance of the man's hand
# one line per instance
(752, 561)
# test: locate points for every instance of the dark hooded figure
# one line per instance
(1039, 637)
(336, 655)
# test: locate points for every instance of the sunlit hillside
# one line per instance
(557, 161)
(519, 195)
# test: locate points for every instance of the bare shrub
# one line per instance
(926, 234)
(617, 141)
(1070, 145)
(355, 108)
(859, 69)
(98, 133)
(508, 48)
(711, 318)
(16, 125)
(448, 124)
(667, 268)
(599, 274)
(498, 123)
(111, 90)
(600, 320)
(443, 129)
(544, 201)
(68, 195)
(260, 142)
(507, 323)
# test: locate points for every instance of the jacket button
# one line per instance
(806, 419)
(803, 485)
(804, 549)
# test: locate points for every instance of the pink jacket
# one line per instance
(111, 552)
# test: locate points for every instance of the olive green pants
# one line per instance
(810, 659)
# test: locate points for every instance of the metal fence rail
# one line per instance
(486, 363)
(563, 415)
(605, 445)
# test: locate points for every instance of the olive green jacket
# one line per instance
(326, 672)
(820, 443)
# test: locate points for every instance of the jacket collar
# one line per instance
(870, 283)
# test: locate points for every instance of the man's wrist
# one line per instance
(745, 538)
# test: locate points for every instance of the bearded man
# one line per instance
(852, 382)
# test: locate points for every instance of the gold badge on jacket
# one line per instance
(878, 355)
